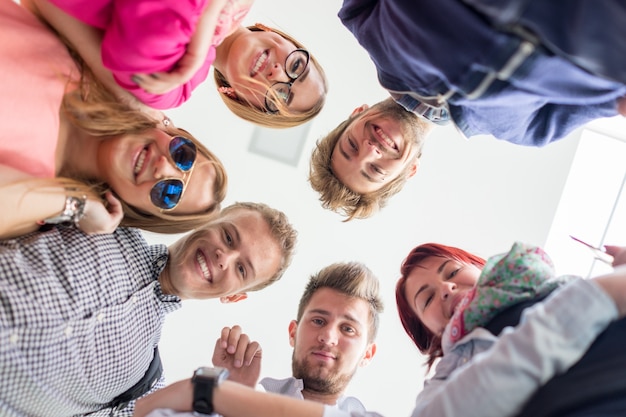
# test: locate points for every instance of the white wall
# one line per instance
(480, 195)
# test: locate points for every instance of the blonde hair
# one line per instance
(283, 118)
(96, 111)
(285, 234)
(352, 279)
(336, 196)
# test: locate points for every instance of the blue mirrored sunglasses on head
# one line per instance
(167, 193)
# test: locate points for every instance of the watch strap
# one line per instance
(205, 380)
(203, 395)
(73, 211)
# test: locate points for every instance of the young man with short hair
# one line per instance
(333, 335)
(368, 158)
(81, 315)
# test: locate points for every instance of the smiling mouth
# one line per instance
(259, 63)
(206, 273)
(384, 139)
(140, 161)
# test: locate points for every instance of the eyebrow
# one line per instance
(245, 258)
(425, 286)
(346, 156)
(327, 313)
(304, 74)
(301, 78)
(443, 265)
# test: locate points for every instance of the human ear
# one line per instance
(412, 169)
(369, 354)
(359, 109)
(293, 327)
(233, 298)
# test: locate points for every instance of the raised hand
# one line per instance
(235, 351)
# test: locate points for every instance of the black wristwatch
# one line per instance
(204, 380)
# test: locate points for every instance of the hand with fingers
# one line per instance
(618, 253)
(242, 357)
(100, 218)
(164, 82)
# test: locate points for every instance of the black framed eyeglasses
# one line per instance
(295, 65)
(166, 193)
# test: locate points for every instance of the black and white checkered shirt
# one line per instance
(80, 316)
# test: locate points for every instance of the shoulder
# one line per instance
(350, 404)
(287, 386)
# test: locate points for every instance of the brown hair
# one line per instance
(352, 279)
(284, 233)
(334, 195)
(283, 119)
(98, 112)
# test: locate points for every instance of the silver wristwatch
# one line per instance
(74, 211)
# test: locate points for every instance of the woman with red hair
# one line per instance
(439, 293)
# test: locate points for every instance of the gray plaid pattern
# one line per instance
(80, 316)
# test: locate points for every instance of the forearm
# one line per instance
(229, 399)
(235, 400)
(219, 19)
(203, 36)
(85, 39)
(87, 42)
(552, 121)
(26, 202)
(552, 336)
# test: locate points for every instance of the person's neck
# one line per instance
(77, 152)
(329, 399)
(223, 49)
(166, 283)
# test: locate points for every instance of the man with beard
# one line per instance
(333, 335)
(368, 158)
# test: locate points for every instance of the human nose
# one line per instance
(327, 336)
(278, 74)
(224, 258)
(163, 168)
(370, 148)
(447, 288)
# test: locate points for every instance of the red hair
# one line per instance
(426, 341)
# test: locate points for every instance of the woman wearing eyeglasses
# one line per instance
(67, 140)
(161, 51)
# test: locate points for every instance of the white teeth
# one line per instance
(203, 266)
(140, 161)
(259, 62)
(385, 138)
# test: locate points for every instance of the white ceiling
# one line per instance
(481, 195)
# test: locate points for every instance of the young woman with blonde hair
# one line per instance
(160, 51)
(68, 140)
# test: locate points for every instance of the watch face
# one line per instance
(204, 371)
(218, 374)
